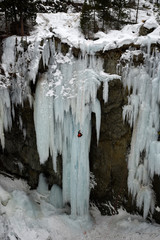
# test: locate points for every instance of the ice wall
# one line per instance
(143, 114)
(65, 97)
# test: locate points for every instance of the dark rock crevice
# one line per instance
(20, 156)
(108, 159)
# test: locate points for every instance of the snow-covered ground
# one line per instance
(66, 26)
(26, 214)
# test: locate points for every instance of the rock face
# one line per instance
(143, 31)
(20, 156)
(108, 159)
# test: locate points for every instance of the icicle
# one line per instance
(46, 53)
(105, 92)
(5, 114)
(41, 121)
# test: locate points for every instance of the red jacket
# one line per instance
(79, 134)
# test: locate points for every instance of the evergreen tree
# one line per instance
(111, 13)
(26, 9)
(86, 20)
(93, 14)
(18, 11)
(6, 8)
(119, 11)
(103, 9)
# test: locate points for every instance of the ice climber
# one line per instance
(79, 134)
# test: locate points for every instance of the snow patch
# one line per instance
(4, 196)
(151, 23)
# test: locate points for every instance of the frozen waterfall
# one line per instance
(143, 114)
(65, 97)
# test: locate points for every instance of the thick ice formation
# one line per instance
(65, 97)
(142, 113)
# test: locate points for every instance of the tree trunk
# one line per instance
(14, 13)
(15, 18)
(22, 25)
(6, 23)
(103, 14)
